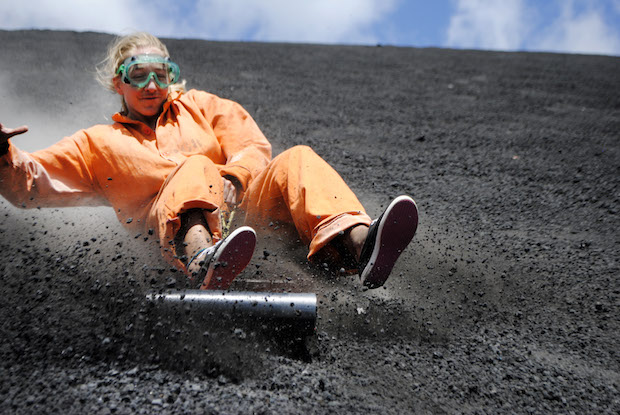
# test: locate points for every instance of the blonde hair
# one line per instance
(120, 49)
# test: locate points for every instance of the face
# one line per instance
(144, 103)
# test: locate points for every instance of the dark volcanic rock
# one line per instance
(506, 301)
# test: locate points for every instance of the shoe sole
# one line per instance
(395, 231)
(230, 259)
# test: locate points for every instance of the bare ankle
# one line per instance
(197, 238)
(193, 237)
(354, 239)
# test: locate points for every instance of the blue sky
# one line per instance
(570, 26)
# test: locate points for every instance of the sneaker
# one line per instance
(387, 237)
(222, 262)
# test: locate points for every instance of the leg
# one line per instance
(186, 214)
(184, 202)
(301, 188)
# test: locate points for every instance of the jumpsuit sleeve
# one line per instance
(246, 149)
(55, 177)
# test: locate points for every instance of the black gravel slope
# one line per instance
(507, 301)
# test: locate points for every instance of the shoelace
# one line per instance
(210, 251)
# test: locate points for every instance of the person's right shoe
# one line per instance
(222, 262)
(387, 237)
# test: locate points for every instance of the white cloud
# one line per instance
(317, 21)
(526, 25)
(488, 24)
(320, 21)
(585, 32)
(110, 16)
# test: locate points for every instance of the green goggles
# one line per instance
(139, 70)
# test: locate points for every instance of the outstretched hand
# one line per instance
(6, 133)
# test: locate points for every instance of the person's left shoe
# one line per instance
(387, 237)
(221, 263)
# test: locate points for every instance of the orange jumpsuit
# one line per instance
(151, 177)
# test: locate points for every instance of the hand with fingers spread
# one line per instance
(6, 133)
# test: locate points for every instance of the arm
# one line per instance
(246, 149)
(57, 176)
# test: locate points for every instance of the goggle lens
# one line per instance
(141, 74)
